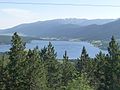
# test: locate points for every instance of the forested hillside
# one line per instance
(40, 69)
(81, 29)
(4, 39)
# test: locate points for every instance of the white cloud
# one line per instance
(13, 17)
(21, 14)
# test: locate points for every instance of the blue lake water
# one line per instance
(73, 48)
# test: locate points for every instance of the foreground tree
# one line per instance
(82, 63)
(2, 72)
(41, 70)
(107, 68)
(52, 66)
(15, 67)
(114, 63)
(101, 72)
(68, 71)
(35, 71)
(81, 83)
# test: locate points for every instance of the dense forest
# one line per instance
(35, 69)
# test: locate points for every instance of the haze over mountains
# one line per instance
(96, 29)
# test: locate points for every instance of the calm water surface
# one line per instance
(73, 48)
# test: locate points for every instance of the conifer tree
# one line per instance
(2, 73)
(68, 71)
(114, 62)
(52, 67)
(15, 66)
(80, 83)
(101, 72)
(83, 61)
(35, 71)
(43, 53)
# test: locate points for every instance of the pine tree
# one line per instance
(83, 61)
(15, 67)
(114, 62)
(35, 71)
(81, 83)
(2, 73)
(68, 71)
(101, 71)
(43, 54)
(52, 67)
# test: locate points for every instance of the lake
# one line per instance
(73, 48)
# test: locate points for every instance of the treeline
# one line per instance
(36, 69)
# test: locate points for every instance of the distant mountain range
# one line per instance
(96, 29)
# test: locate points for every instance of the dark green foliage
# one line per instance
(80, 83)
(52, 66)
(41, 70)
(15, 67)
(114, 63)
(2, 72)
(35, 71)
(101, 72)
(43, 54)
(68, 71)
(82, 63)
(107, 68)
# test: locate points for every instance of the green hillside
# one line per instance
(7, 39)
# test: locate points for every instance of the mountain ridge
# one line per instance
(68, 28)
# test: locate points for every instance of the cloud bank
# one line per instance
(13, 17)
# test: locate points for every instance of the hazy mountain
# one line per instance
(70, 28)
(83, 22)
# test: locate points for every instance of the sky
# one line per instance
(15, 14)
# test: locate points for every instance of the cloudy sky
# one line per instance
(15, 14)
